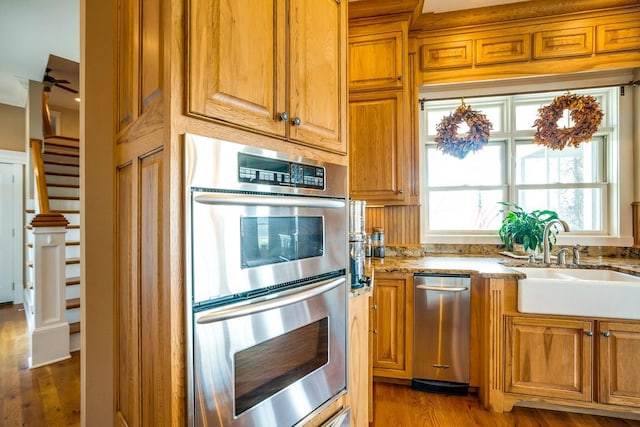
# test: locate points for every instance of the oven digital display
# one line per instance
(263, 170)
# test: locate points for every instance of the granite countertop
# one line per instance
(489, 267)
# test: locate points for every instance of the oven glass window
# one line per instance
(264, 369)
(269, 240)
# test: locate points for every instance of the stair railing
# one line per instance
(42, 194)
(45, 298)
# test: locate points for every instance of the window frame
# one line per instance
(616, 217)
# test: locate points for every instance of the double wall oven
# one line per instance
(266, 254)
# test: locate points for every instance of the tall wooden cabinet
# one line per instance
(274, 66)
(226, 69)
(144, 384)
(380, 152)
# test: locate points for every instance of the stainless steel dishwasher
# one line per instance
(441, 332)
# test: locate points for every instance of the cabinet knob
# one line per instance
(399, 78)
(374, 307)
(401, 191)
(296, 121)
(284, 116)
(606, 334)
(589, 333)
(375, 331)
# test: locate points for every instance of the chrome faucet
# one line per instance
(546, 256)
(576, 254)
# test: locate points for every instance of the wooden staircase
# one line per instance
(61, 161)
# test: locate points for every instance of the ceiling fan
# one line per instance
(49, 81)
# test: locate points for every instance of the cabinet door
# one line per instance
(377, 147)
(549, 357)
(376, 61)
(317, 73)
(359, 372)
(392, 319)
(236, 61)
(619, 361)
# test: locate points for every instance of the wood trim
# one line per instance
(46, 116)
(458, 53)
(635, 207)
(513, 12)
(365, 9)
(533, 47)
(563, 42)
(497, 50)
(49, 220)
(40, 176)
(618, 36)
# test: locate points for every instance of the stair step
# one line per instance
(73, 303)
(60, 211)
(64, 185)
(55, 161)
(62, 141)
(74, 328)
(71, 281)
(73, 175)
(64, 198)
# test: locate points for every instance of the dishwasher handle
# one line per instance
(441, 289)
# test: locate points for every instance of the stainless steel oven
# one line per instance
(266, 288)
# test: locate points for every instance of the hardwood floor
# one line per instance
(401, 406)
(48, 396)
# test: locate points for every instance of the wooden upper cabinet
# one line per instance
(237, 62)
(317, 73)
(268, 69)
(377, 147)
(376, 60)
(619, 357)
(549, 357)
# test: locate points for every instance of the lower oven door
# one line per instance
(272, 362)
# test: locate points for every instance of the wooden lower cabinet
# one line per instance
(619, 361)
(549, 357)
(589, 363)
(392, 325)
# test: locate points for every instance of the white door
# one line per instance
(7, 232)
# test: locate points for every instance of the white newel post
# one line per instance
(50, 334)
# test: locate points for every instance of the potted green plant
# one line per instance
(526, 228)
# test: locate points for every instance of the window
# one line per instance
(460, 196)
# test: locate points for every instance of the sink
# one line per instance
(579, 292)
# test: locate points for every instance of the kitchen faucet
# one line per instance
(546, 256)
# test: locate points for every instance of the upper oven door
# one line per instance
(244, 242)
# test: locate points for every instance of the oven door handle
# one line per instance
(248, 200)
(226, 313)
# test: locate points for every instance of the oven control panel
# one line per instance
(263, 170)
